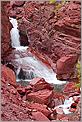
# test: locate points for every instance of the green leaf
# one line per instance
(52, 1)
(78, 85)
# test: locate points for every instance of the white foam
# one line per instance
(41, 70)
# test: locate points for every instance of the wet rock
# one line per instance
(12, 13)
(40, 108)
(24, 39)
(21, 74)
(38, 116)
(73, 105)
(76, 99)
(41, 96)
(59, 110)
(51, 104)
(39, 84)
(8, 75)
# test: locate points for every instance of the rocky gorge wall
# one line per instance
(51, 34)
(5, 30)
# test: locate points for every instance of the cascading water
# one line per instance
(15, 37)
(38, 69)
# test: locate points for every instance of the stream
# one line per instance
(38, 68)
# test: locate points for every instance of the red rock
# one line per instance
(67, 19)
(5, 33)
(21, 90)
(72, 109)
(76, 99)
(60, 116)
(38, 116)
(74, 105)
(8, 75)
(17, 3)
(29, 87)
(42, 96)
(58, 95)
(52, 116)
(70, 88)
(39, 84)
(75, 94)
(12, 14)
(64, 118)
(40, 108)
(66, 63)
(51, 104)
(60, 32)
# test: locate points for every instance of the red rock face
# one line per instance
(5, 30)
(69, 20)
(51, 34)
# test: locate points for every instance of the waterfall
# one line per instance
(15, 37)
(39, 68)
(14, 33)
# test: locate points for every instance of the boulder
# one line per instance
(66, 63)
(8, 75)
(42, 96)
(65, 66)
(38, 116)
(40, 108)
(39, 84)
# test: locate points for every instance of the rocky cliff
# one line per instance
(5, 30)
(52, 34)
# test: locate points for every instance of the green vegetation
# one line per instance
(58, 3)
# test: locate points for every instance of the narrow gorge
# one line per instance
(40, 51)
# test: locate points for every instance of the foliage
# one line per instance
(59, 5)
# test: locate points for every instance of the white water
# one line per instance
(15, 37)
(14, 33)
(66, 105)
(40, 69)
